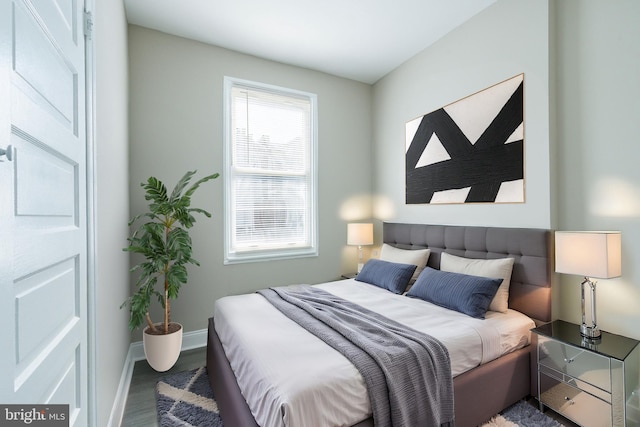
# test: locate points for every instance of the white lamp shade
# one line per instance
(589, 253)
(359, 234)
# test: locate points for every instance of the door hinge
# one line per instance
(88, 24)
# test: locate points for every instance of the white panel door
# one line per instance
(43, 228)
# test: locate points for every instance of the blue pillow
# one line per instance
(387, 275)
(467, 294)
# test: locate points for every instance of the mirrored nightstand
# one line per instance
(588, 382)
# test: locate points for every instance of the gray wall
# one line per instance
(112, 203)
(176, 109)
(597, 64)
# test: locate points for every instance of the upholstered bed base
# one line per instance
(481, 392)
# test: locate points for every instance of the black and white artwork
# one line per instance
(471, 151)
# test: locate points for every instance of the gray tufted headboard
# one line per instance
(530, 291)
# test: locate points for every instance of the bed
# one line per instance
(507, 377)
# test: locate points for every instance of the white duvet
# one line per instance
(291, 378)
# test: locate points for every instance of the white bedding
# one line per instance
(291, 378)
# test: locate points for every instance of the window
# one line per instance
(270, 172)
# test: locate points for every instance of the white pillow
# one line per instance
(500, 268)
(417, 257)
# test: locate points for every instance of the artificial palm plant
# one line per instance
(163, 239)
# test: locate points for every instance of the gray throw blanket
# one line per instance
(407, 373)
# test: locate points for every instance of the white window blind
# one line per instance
(270, 164)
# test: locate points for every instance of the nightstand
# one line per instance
(588, 382)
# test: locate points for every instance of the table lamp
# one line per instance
(589, 254)
(359, 234)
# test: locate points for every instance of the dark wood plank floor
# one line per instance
(140, 410)
(141, 403)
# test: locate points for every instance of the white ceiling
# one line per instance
(358, 39)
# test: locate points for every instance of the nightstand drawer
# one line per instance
(592, 390)
(573, 403)
(579, 363)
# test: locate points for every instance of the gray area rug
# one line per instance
(186, 399)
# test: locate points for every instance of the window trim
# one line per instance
(268, 254)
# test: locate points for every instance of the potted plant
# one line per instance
(163, 240)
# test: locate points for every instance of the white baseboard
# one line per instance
(194, 339)
(120, 400)
(190, 341)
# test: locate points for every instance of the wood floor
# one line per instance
(140, 410)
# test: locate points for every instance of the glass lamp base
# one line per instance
(590, 332)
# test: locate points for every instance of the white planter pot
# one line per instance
(162, 351)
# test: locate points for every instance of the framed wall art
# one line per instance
(470, 151)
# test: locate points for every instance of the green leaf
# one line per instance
(155, 190)
(176, 276)
(177, 190)
(197, 184)
(202, 211)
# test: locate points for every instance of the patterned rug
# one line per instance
(185, 399)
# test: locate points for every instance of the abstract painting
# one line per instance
(470, 151)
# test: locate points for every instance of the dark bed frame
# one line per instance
(481, 392)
